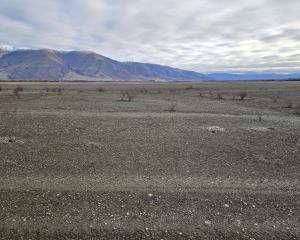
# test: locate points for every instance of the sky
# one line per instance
(199, 35)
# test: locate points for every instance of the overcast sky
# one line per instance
(201, 35)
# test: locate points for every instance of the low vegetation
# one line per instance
(17, 90)
(220, 96)
(128, 97)
(243, 95)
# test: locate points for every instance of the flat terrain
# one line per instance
(150, 161)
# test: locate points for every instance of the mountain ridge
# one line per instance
(49, 64)
(55, 65)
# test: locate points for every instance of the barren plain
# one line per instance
(207, 160)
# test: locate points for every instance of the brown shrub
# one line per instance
(289, 104)
(128, 97)
(275, 99)
(189, 87)
(297, 108)
(172, 108)
(259, 117)
(243, 95)
(17, 90)
(219, 96)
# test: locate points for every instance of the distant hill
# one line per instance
(254, 76)
(47, 64)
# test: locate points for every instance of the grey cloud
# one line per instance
(201, 35)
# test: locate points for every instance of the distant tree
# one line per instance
(100, 90)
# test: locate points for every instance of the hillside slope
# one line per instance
(47, 64)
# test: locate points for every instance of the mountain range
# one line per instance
(53, 65)
(253, 76)
(45, 64)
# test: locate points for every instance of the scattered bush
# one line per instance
(0, 88)
(243, 95)
(219, 96)
(172, 108)
(58, 90)
(275, 99)
(297, 108)
(144, 90)
(100, 90)
(128, 97)
(17, 90)
(259, 117)
(189, 87)
(289, 104)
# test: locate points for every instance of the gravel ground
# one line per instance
(175, 163)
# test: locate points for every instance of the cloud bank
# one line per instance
(200, 35)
